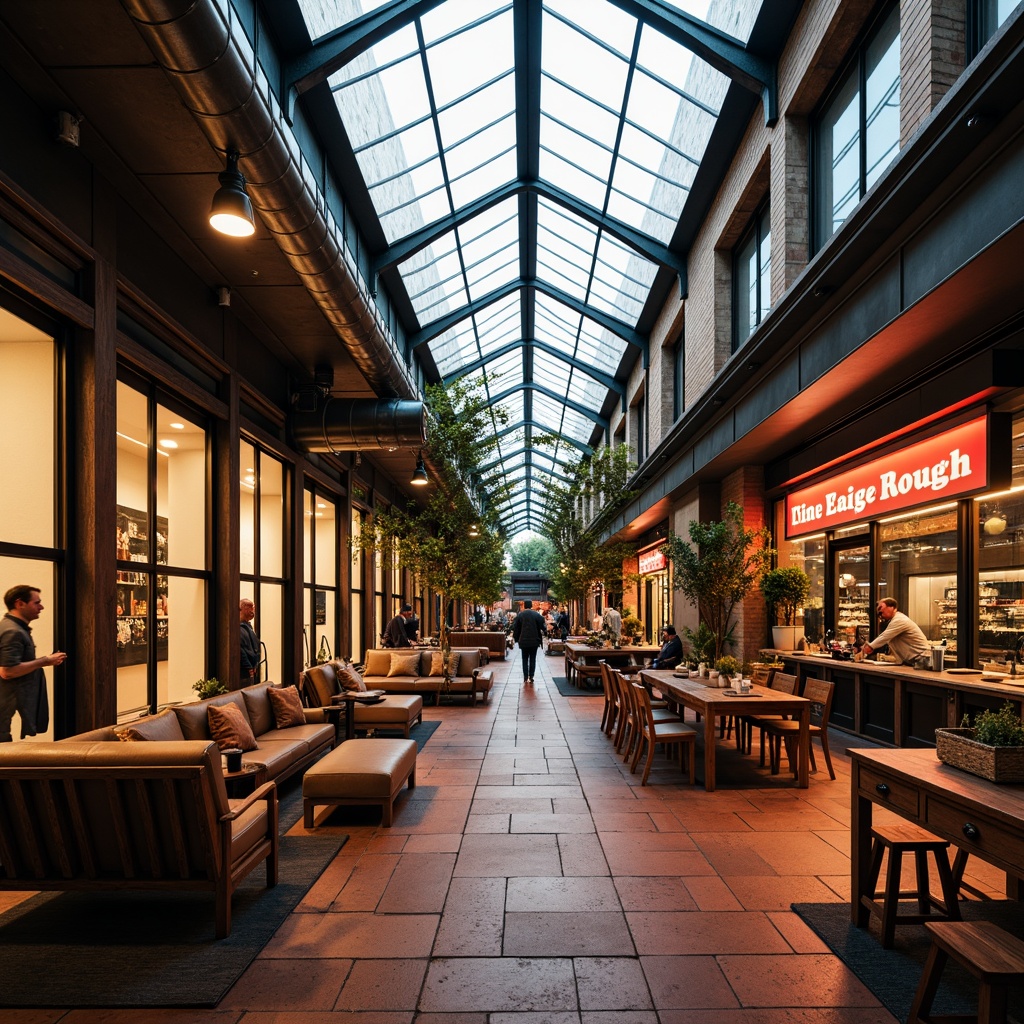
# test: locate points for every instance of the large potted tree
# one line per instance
(785, 589)
(718, 567)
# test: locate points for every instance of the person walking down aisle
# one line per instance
(22, 685)
(529, 632)
(249, 643)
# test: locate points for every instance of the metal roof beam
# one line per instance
(621, 330)
(571, 441)
(532, 450)
(723, 52)
(600, 420)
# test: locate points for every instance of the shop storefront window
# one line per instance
(321, 584)
(807, 553)
(357, 606)
(1001, 574)
(261, 551)
(161, 543)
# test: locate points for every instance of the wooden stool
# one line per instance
(898, 840)
(992, 955)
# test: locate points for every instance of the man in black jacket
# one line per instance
(529, 632)
(671, 652)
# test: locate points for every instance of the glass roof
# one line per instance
(528, 162)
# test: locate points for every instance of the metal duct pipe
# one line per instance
(216, 76)
(355, 424)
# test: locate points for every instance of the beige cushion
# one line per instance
(229, 727)
(404, 664)
(287, 706)
(437, 663)
(378, 663)
(160, 727)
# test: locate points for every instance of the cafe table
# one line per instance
(629, 655)
(713, 703)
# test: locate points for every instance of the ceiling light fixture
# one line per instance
(231, 211)
(995, 524)
(419, 474)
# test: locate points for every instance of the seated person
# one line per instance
(671, 652)
(395, 635)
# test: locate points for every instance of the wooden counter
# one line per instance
(897, 704)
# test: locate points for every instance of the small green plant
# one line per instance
(1002, 728)
(701, 642)
(632, 627)
(784, 589)
(209, 688)
(728, 666)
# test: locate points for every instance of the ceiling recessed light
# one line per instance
(177, 426)
(166, 442)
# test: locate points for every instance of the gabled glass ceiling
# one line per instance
(528, 162)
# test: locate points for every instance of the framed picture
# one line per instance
(321, 607)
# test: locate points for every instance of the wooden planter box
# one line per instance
(959, 749)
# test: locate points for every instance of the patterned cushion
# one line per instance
(378, 663)
(404, 664)
(287, 706)
(230, 728)
(437, 663)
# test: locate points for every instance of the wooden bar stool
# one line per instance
(898, 840)
(992, 955)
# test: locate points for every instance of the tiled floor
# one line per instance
(529, 879)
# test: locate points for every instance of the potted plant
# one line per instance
(701, 643)
(209, 688)
(727, 668)
(784, 588)
(993, 748)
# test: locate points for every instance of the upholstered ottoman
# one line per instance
(396, 712)
(370, 771)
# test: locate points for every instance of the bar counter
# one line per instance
(897, 704)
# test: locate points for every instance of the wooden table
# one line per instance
(978, 816)
(712, 703)
(617, 657)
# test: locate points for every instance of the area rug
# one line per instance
(151, 949)
(566, 689)
(892, 974)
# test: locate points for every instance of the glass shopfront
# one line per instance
(655, 593)
(320, 552)
(969, 599)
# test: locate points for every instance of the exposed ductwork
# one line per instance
(215, 73)
(353, 424)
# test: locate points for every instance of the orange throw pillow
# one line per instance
(351, 680)
(229, 727)
(287, 705)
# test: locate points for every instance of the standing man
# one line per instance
(901, 633)
(22, 685)
(613, 622)
(395, 635)
(529, 632)
(250, 644)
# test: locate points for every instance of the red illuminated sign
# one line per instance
(948, 465)
(652, 561)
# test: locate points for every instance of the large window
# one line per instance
(321, 577)
(161, 537)
(752, 278)
(988, 15)
(262, 551)
(679, 377)
(357, 606)
(857, 133)
(31, 550)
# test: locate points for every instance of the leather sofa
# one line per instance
(494, 640)
(283, 752)
(471, 681)
(95, 815)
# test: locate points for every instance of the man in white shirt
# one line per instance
(613, 621)
(901, 633)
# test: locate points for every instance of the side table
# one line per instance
(243, 782)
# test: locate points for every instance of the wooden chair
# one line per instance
(652, 732)
(819, 693)
(628, 734)
(612, 708)
(784, 683)
(760, 675)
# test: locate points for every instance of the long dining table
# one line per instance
(713, 703)
(630, 655)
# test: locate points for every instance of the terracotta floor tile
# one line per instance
(473, 920)
(654, 894)
(611, 983)
(510, 983)
(561, 895)
(391, 936)
(669, 862)
(774, 892)
(711, 893)
(816, 979)
(636, 819)
(789, 1015)
(548, 1017)
(367, 883)
(687, 981)
(508, 856)
(487, 823)
(383, 985)
(418, 885)
(325, 889)
(618, 1017)
(565, 805)
(711, 932)
(451, 1018)
(582, 854)
(288, 984)
(442, 842)
(554, 934)
(800, 937)
(565, 823)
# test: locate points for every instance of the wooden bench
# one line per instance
(365, 771)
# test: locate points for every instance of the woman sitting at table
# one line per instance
(671, 652)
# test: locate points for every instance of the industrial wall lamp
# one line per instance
(419, 474)
(231, 210)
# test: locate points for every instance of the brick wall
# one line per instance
(932, 57)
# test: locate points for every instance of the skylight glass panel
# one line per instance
(500, 323)
(455, 14)
(453, 349)
(463, 61)
(558, 101)
(593, 157)
(493, 271)
(571, 178)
